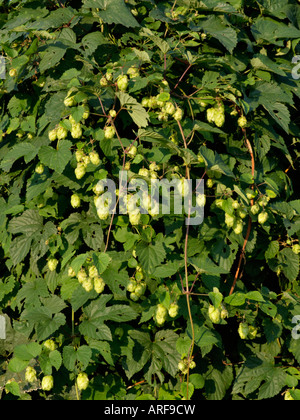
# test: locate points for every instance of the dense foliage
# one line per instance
(141, 306)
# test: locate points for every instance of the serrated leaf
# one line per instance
(29, 222)
(290, 263)
(52, 56)
(113, 11)
(236, 299)
(136, 111)
(150, 255)
(56, 159)
(273, 249)
(26, 150)
(280, 113)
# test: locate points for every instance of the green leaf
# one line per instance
(101, 261)
(290, 263)
(136, 111)
(255, 295)
(56, 159)
(225, 35)
(13, 388)
(197, 380)
(280, 113)
(187, 390)
(84, 354)
(150, 255)
(236, 299)
(272, 251)
(17, 365)
(113, 11)
(273, 329)
(214, 162)
(52, 56)
(30, 222)
(27, 351)
(55, 359)
(26, 150)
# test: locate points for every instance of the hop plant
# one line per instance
(76, 131)
(82, 275)
(30, 374)
(230, 220)
(263, 217)
(296, 249)
(80, 171)
(94, 158)
(99, 284)
(47, 383)
(122, 83)
(52, 135)
(135, 217)
(109, 132)
(242, 122)
(71, 272)
(50, 345)
(88, 284)
(178, 115)
(52, 264)
(243, 330)
(39, 169)
(214, 314)
(173, 310)
(13, 73)
(132, 151)
(62, 133)
(160, 315)
(82, 381)
(75, 201)
(93, 272)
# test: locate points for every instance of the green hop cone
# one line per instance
(75, 201)
(288, 396)
(99, 284)
(93, 272)
(50, 345)
(173, 310)
(76, 131)
(135, 217)
(30, 374)
(94, 158)
(229, 220)
(178, 115)
(52, 264)
(238, 227)
(82, 276)
(88, 285)
(52, 135)
(39, 169)
(62, 133)
(47, 383)
(131, 286)
(132, 151)
(252, 332)
(243, 330)
(242, 122)
(80, 171)
(255, 209)
(263, 217)
(82, 381)
(214, 314)
(122, 83)
(109, 132)
(296, 249)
